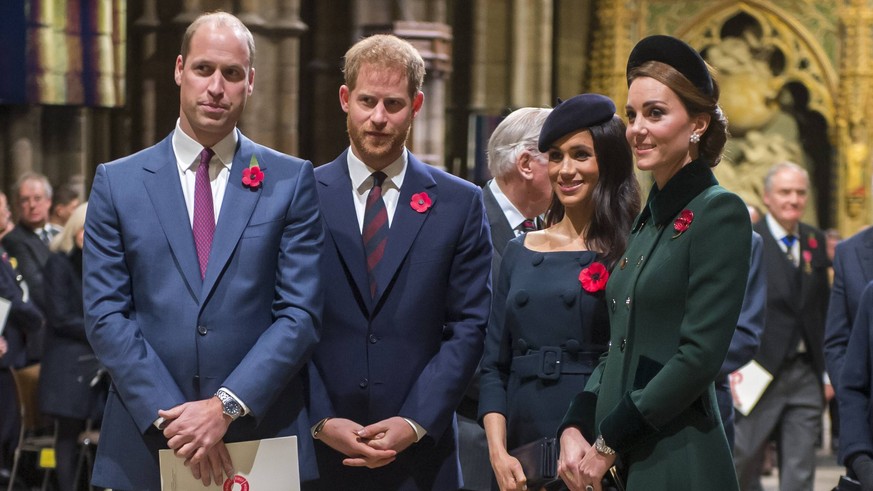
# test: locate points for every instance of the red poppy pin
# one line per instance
(682, 222)
(594, 277)
(253, 176)
(812, 242)
(420, 202)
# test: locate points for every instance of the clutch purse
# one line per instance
(539, 461)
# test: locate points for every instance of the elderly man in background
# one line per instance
(796, 265)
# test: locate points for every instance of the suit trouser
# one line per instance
(792, 405)
(473, 454)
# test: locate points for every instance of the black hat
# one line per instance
(577, 112)
(674, 52)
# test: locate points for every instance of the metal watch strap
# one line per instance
(229, 405)
(601, 446)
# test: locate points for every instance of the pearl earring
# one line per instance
(695, 138)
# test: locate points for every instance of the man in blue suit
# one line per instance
(747, 336)
(853, 269)
(407, 263)
(201, 285)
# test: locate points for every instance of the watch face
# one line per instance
(229, 405)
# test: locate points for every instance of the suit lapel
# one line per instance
(865, 253)
(161, 180)
(406, 223)
(338, 212)
(236, 210)
(501, 231)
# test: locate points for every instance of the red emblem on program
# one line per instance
(229, 482)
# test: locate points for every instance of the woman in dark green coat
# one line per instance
(673, 299)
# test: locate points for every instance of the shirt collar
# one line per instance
(777, 231)
(513, 216)
(188, 150)
(359, 172)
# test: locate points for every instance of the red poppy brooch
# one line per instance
(682, 222)
(253, 176)
(812, 242)
(420, 202)
(594, 277)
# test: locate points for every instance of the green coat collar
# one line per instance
(665, 204)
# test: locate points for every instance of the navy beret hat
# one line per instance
(674, 52)
(578, 112)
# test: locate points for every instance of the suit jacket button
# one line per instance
(373, 338)
(363, 383)
(202, 330)
(622, 345)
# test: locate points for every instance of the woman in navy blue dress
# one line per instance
(549, 323)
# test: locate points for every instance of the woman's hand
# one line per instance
(593, 467)
(573, 449)
(507, 470)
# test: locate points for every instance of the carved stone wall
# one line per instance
(777, 63)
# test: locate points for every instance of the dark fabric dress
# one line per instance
(540, 314)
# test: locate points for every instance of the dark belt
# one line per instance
(549, 362)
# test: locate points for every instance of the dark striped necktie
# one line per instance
(375, 231)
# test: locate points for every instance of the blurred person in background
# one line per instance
(24, 321)
(71, 387)
(64, 201)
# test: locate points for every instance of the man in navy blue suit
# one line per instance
(407, 267)
(201, 284)
(853, 269)
(853, 393)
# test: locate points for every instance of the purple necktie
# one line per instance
(204, 215)
(375, 232)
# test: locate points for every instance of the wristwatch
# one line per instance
(229, 405)
(601, 446)
(315, 430)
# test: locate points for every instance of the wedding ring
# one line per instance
(589, 488)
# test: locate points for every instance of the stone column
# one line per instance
(854, 115)
(612, 44)
(147, 28)
(531, 56)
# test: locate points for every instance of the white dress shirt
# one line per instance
(778, 233)
(513, 216)
(360, 174)
(187, 152)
